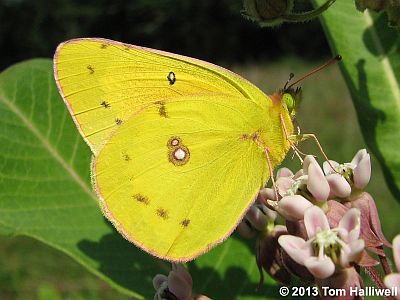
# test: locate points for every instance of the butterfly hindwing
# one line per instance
(176, 181)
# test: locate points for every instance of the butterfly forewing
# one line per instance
(103, 82)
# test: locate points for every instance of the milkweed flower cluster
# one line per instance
(330, 226)
(317, 225)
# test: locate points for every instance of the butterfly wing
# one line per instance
(177, 183)
(103, 82)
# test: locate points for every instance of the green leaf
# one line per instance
(371, 68)
(45, 194)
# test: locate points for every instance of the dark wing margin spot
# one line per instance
(142, 199)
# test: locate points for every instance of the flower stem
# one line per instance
(373, 273)
(385, 264)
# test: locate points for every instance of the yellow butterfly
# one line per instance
(181, 146)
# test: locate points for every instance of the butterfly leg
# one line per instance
(306, 136)
(271, 172)
(293, 144)
(294, 139)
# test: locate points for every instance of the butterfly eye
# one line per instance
(290, 102)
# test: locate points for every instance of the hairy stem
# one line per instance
(385, 264)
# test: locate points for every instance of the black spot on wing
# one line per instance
(162, 213)
(91, 69)
(126, 157)
(185, 223)
(105, 104)
(141, 198)
(162, 111)
(171, 78)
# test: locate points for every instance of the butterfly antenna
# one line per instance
(331, 61)
(291, 75)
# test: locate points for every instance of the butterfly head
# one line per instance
(291, 98)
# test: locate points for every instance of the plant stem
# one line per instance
(385, 264)
(373, 273)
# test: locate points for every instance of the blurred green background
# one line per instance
(210, 30)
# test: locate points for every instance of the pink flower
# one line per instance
(300, 191)
(325, 248)
(345, 177)
(256, 220)
(310, 182)
(178, 285)
(393, 280)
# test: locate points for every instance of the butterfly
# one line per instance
(181, 147)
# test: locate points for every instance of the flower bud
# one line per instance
(268, 11)
(375, 5)
(357, 174)
(394, 16)
(275, 12)
(362, 169)
(177, 285)
(316, 183)
(256, 220)
(292, 208)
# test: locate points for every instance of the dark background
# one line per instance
(193, 27)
